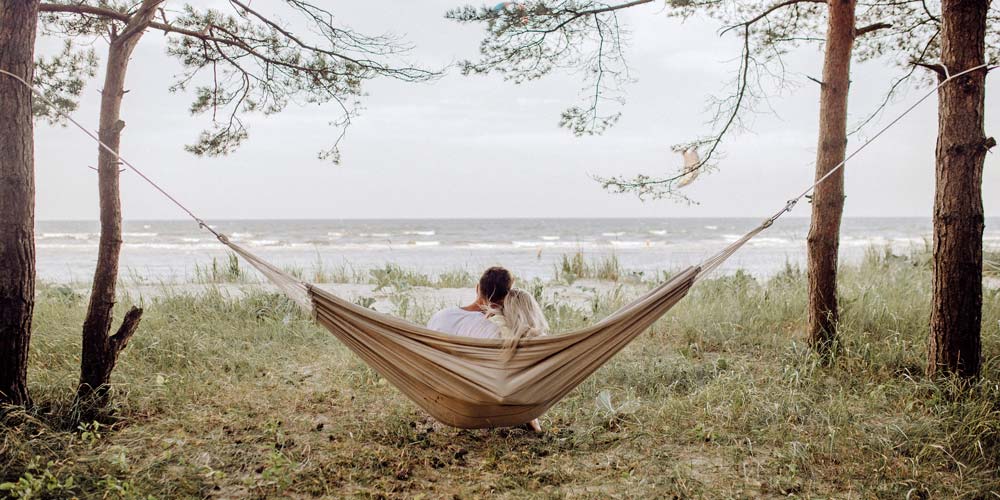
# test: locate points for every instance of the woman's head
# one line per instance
(523, 315)
(494, 285)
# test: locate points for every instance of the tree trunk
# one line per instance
(828, 198)
(100, 350)
(956, 304)
(18, 20)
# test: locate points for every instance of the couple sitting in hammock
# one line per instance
(499, 312)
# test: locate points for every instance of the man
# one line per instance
(471, 320)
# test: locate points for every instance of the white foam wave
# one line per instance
(550, 238)
(140, 235)
(630, 244)
(241, 235)
(711, 228)
(66, 236)
(613, 234)
(658, 232)
(77, 246)
(264, 243)
(334, 234)
(767, 242)
(425, 243)
(533, 244)
(420, 233)
(169, 246)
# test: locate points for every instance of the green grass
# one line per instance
(575, 266)
(245, 397)
(227, 271)
(991, 264)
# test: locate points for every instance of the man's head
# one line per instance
(494, 285)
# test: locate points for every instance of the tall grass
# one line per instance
(226, 271)
(223, 396)
(991, 263)
(575, 266)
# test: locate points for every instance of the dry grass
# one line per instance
(235, 398)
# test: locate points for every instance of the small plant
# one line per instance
(222, 272)
(575, 267)
(90, 433)
(365, 301)
(392, 275)
(614, 416)
(459, 278)
(991, 264)
(38, 482)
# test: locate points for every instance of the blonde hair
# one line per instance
(520, 317)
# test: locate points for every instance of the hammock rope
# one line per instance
(478, 383)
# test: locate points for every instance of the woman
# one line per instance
(519, 317)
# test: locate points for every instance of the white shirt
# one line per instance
(458, 321)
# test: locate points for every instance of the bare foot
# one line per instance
(536, 426)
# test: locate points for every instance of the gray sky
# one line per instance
(438, 150)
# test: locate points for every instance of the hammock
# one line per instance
(466, 382)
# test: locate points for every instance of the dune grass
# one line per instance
(576, 266)
(221, 397)
(991, 263)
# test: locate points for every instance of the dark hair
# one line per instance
(494, 284)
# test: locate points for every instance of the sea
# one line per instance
(171, 250)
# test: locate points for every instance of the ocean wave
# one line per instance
(66, 236)
(60, 246)
(630, 244)
(140, 235)
(420, 233)
(334, 234)
(550, 238)
(771, 242)
(167, 246)
(241, 235)
(711, 228)
(191, 240)
(613, 234)
(264, 243)
(425, 243)
(533, 244)
(374, 235)
(658, 232)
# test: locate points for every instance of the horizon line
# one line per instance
(682, 217)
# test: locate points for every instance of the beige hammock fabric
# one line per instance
(466, 382)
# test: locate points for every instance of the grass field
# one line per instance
(220, 397)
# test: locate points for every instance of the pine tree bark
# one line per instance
(828, 199)
(18, 21)
(100, 350)
(957, 296)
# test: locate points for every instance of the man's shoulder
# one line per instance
(448, 311)
(444, 314)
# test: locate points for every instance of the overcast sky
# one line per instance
(481, 147)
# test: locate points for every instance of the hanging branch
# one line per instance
(759, 51)
(245, 62)
(526, 41)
